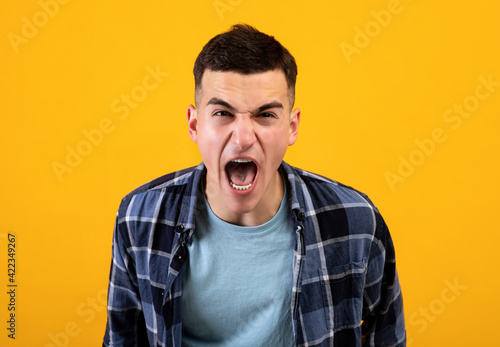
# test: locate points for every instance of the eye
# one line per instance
(222, 113)
(267, 115)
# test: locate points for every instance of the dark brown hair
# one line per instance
(246, 50)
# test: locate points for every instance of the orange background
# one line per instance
(399, 99)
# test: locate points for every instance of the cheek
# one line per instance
(209, 134)
(276, 143)
(209, 145)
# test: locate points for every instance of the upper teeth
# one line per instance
(241, 161)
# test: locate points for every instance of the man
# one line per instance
(245, 250)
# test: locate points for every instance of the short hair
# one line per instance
(246, 50)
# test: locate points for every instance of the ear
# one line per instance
(192, 118)
(294, 126)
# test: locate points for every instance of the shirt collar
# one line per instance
(186, 220)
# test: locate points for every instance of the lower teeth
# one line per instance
(237, 187)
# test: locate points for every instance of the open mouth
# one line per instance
(241, 173)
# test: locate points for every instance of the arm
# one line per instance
(125, 324)
(383, 316)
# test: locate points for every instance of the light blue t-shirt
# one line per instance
(238, 282)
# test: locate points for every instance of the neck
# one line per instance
(263, 212)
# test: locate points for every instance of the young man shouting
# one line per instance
(245, 250)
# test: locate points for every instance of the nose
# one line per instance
(243, 134)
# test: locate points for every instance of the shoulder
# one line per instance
(154, 210)
(172, 187)
(339, 218)
(333, 209)
(321, 191)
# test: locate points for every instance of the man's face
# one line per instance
(243, 125)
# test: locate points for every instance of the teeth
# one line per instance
(237, 187)
(241, 161)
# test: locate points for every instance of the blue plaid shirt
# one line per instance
(346, 290)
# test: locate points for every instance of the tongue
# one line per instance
(241, 174)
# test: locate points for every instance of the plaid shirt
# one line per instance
(346, 290)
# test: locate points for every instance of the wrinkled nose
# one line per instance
(243, 135)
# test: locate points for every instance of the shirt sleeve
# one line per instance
(383, 315)
(125, 324)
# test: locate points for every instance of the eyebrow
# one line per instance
(273, 104)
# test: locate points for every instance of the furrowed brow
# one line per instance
(217, 101)
(274, 104)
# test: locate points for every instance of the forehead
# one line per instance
(246, 88)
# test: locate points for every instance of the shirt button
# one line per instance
(302, 216)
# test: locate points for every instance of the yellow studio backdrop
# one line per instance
(399, 98)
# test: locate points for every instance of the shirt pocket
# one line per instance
(342, 293)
